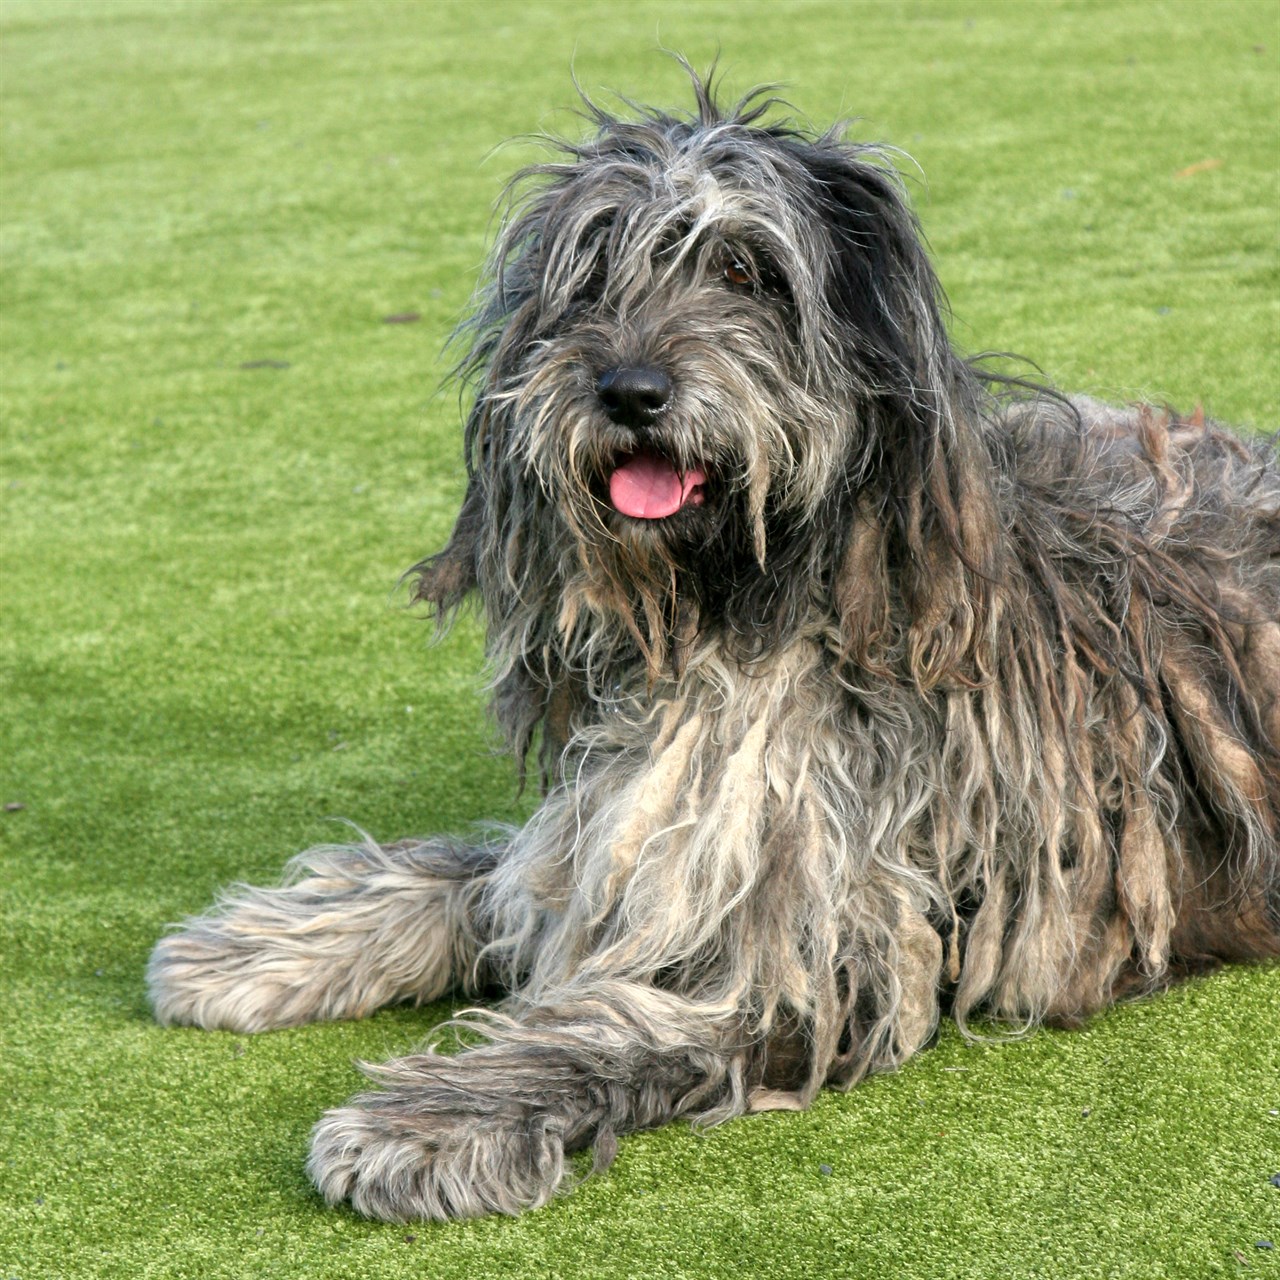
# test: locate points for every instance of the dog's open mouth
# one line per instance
(647, 486)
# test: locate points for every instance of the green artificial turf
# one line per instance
(217, 458)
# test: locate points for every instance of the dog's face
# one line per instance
(696, 318)
(705, 341)
(662, 388)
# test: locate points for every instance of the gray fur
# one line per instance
(953, 694)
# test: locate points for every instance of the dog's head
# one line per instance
(710, 345)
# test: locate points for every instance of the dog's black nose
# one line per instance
(634, 396)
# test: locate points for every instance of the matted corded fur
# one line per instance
(944, 693)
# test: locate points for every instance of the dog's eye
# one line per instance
(738, 274)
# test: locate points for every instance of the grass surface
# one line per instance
(203, 660)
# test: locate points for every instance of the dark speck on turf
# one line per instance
(1264, 1244)
(825, 1170)
(1275, 1179)
(402, 317)
(14, 806)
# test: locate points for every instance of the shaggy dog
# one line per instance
(864, 685)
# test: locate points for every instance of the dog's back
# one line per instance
(1157, 538)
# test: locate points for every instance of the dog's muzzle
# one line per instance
(643, 484)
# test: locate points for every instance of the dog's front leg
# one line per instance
(487, 1130)
(351, 929)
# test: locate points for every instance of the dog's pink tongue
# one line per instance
(647, 487)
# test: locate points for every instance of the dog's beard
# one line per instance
(666, 578)
(651, 520)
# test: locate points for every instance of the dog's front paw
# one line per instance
(393, 1157)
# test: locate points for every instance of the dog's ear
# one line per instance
(881, 289)
(923, 541)
(496, 552)
(445, 579)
